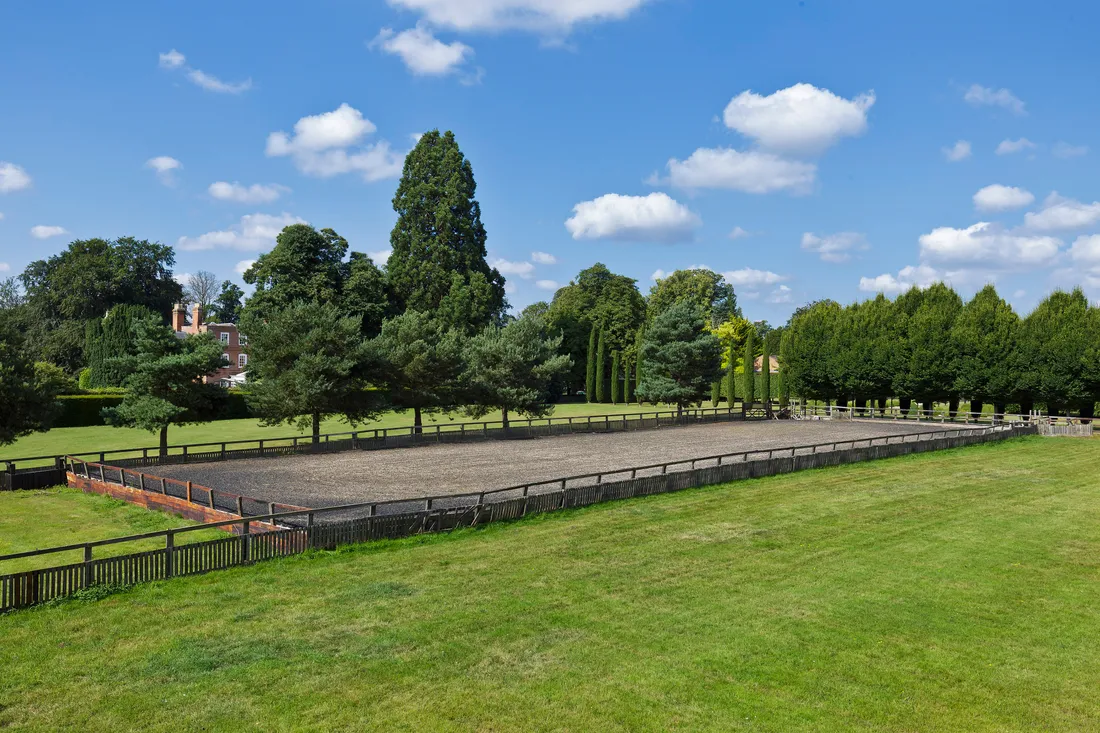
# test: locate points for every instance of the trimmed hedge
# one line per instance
(85, 410)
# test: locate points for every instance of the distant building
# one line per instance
(233, 342)
(773, 364)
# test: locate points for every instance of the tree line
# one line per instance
(928, 346)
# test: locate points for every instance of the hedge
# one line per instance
(79, 411)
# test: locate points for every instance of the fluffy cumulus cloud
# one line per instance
(749, 278)
(174, 60)
(800, 119)
(380, 256)
(1062, 214)
(165, 167)
(959, 151)
(543, 16)
(13, 177)
(550, 285)
(5, 267)
(544, 258)
(920, 275)
(834, 247)
(1008, 147)
(782, 294)
(1065, 150)
(979, 96)
(523, 270)
(254, 232)
(243, 266)
(752, 171)
(332, 143)
(988, 246)
(1085, 253)
(739, 233)
(45, 232)
(423, 53)
(653, 218)
(257, 193)
(1002, 198)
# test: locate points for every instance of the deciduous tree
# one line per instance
(28, 402)
(708, 290)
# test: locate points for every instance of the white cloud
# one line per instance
(172, 60)
(738, 233)
(253, 232)
(45, 232)
(380, 256)
(544, 258)
(782, 294)
(242, 267)
(658, 274)
(921, 276)
(175, 60)
(321, 145)
(988, 245)
(1, 215)
(653, 218)
(959, 151)
(257, 193)
(1002, 198)
(211, 83)
(1008, 147)
(546, 16)
(165, 167)
(752, 171)
(13, 177)
(1065, 150)
(801, 118)
(1060, 213)
(520, 269)
(547, 285)
(421, 51)
(834, 247)
(750, 278)
(1085, 252)
(979, 96)
(5, 267)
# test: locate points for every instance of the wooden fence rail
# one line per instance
(386, 520)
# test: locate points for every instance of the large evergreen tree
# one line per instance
(805, 350)
(985, 339)
(438, 241)
(309, 361)
(228, 304)
(109, 339)
(1055, 343)
(421, 363)
(616, 367)
(590, 366)
(680, 357)
(164, 380)
(601, 368)
(513, 369)
(748, 373)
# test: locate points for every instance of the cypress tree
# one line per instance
(628, 393)
(615, 396)
(731, 376)
(766, 375)
(590, 379)
(601, 369)
(750, 370)
(715, 393)
(638, 341)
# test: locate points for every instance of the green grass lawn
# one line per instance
(943, 592)
(33, 520)
(63, 441)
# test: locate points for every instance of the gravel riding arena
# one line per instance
(406, 473)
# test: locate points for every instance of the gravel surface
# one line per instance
(406, 473)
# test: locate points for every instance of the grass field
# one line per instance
(943, 592)
(32, 520)
(62, 441)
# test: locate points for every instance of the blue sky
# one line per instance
(852, 146)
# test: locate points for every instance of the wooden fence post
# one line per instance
(169, 551)
(245, 531)
(88, 566)
(189, 487)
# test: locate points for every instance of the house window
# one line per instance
(242, 360)
(242, 339)
(224, 336)
(225, 359)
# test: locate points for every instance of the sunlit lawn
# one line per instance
(944, 592)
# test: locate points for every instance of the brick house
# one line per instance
(233, 343)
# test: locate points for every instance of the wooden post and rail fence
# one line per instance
(294, 531)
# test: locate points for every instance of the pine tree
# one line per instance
(615, 366)
(590, 380)
(681, 357)
(749, 370)
(601, 369)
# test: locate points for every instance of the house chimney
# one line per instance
(179, 317)
(196, 317)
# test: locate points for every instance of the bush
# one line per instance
(85, 380)
(78, 411)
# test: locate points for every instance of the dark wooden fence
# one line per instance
(332, 526)
(36, 475)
